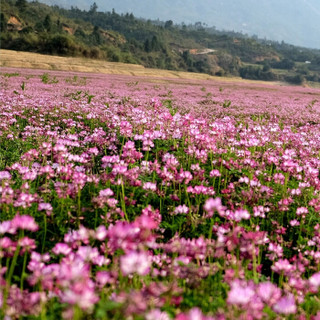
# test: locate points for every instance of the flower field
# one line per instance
(146, 198)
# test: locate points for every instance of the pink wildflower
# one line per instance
(182, 209)
(240, 293)
(212, 205)
(24, 222)
(135, 262)
(286, 305)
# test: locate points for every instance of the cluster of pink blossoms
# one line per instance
(149, 203)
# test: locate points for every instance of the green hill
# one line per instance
(293, 21)
(36, 27)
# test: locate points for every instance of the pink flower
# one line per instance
(81, 294)
(157, 314)
(106, 193)
(215, 173)
(5, 175)
(125, 129)
(268, 292)
(24, 222)
(241, 214)
(193, 314)
(5, 227)
(283, 265)
(213, 205)
(150, 186)
(286, 305)
(27, 244)
(240, 293)
(25, 200)
(103, 277)
(301, 210)
(47, 207)
(101, 233)
(61, 248)
(294, 223)
(182, 209)
(135, 262)
(314, 280)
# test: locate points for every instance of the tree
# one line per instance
(297, 79)
(21, 4)
(96, 36)
(168, 24)
(147, 46)
(80, 33)
(47, 23)
(61, 44)
(266, 66)
(3, 23)
(187, 58)
(155, 44)
(93, 8)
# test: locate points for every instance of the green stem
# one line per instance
(123, 204)
(281, 279)
(44, 233)
(77, 313)
(254, 263)
(9, 277)
(210, 230)
(23, 270)
(79, 207)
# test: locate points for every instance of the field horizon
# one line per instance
(30, 60)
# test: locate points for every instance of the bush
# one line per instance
(61, 44)
(296, 79)
(256, 73)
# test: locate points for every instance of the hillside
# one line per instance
(117, 37)
(293, 21)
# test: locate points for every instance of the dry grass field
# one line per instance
(29, 60)
(17, 59)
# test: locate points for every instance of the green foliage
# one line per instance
(47, 23)
(226, 103)
(257, 73)
(123, 38)
(75, 80)
(168, 104)
(9, 75)
(3, 23)
(47, 79)
(62, 44)
(23, 86)
(286, 63)
(96, 36)
(296, 79)
(80, 95)
(21, 4)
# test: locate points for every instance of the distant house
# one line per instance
(307, 62)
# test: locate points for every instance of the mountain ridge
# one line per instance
(293, 21)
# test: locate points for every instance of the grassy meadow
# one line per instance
(135, 193)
